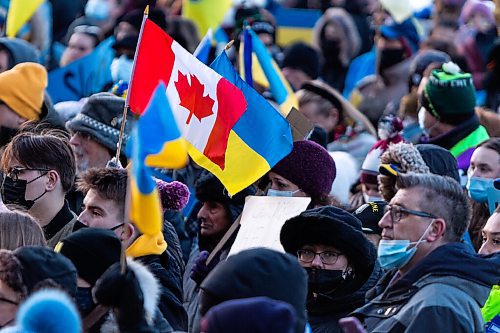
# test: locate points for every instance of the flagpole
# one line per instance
(123, 257)
(125, 108)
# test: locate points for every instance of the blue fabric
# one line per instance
(361, 67)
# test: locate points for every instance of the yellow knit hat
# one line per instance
(22, 89)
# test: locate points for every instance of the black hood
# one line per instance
(19, 51)
(456, 259)
(439, 160)
(258, 272)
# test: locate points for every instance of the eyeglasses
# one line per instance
(326, 257)
(397, 212)
(16, 171)
(117, 226)
(5, 300)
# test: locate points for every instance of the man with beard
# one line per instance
(94, 136)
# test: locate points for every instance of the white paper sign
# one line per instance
(262, 220)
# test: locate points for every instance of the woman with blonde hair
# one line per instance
(18, 229)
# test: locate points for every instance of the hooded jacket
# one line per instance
(443, 293)
(19, 51)
(258, 272)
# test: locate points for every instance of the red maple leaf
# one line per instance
(192, 97)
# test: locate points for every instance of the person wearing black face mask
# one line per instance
(340, 262)
(92, 251)
(335, 34)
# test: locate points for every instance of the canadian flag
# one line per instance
(206, 106)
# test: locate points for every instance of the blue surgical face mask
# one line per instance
(277, 193)
(369, 198)
(395, 253)
(97, 10)
(478, 188)
(493, 198)
(121, 69)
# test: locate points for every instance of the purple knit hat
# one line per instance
(310, 167)
(173, 195)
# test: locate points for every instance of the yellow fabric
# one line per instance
(20, 11)
(492, 306)
(243, 165)
(147, 245)
(145, 209)
(287, 35)
(169, 157)
(22, 88)
(205, 13)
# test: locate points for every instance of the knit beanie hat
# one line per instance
(92, 251)
(41, 263)
(450, 95)
(302, 57)
(254, 314)
(101, 118)
(310, 167)
(22, 89)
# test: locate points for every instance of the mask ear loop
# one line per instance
(421, 240)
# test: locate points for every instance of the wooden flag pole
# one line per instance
(123, 257)
(125, 108)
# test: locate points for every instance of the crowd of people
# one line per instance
(402, 168)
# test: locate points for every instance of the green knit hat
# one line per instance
(450, 95)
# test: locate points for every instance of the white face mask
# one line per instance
(369, 198)
(121, 69)
(421, 118)
(97, 10)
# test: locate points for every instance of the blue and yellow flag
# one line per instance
(264, 70)
(205, 14)
(20, 11)
(155, 136)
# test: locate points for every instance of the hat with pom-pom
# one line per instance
(450, 95)
(173, 195)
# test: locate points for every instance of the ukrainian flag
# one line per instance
(155, 138)
(20, 11)
(264, 70)
(205, 14)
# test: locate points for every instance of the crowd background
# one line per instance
(403, 98)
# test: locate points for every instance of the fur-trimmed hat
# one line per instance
(101, 118)
(333, 226)
(398, 158)
(310, 167)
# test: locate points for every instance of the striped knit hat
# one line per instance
(450, 95)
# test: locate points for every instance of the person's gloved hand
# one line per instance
(123, 293)
(200, 269)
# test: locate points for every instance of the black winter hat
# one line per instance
(101, 118)
(92, 251)
(258, 272)
(303, 57)
(209, 188)
(420, 63)
(333, 226)
(370, 214)
(41, 263)
(439, 160)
